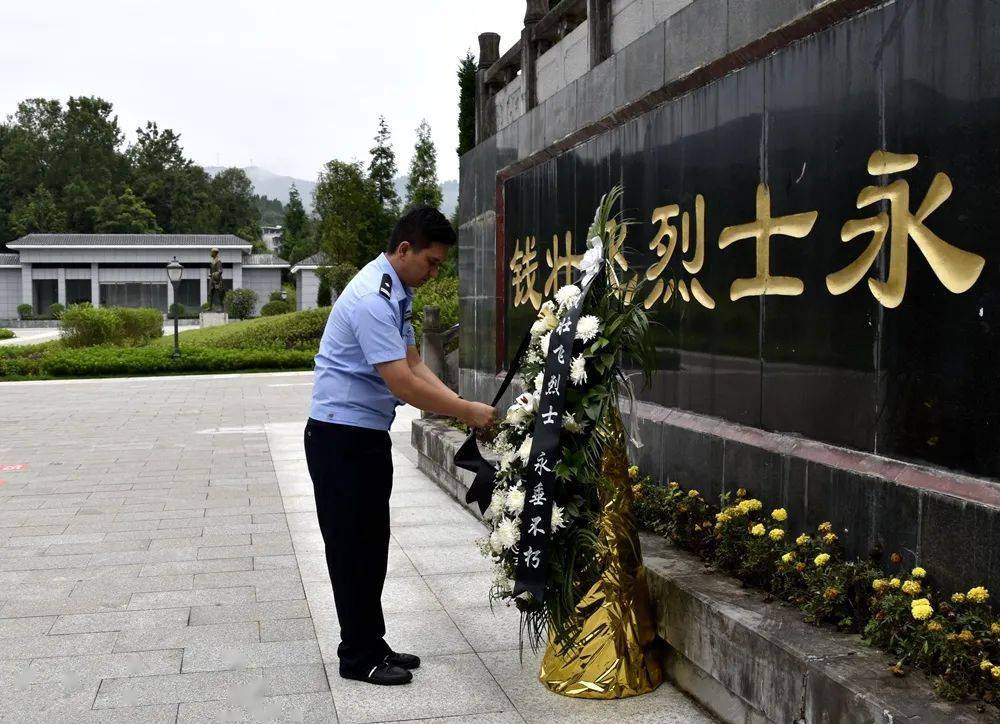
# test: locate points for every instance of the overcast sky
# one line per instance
(282, 84)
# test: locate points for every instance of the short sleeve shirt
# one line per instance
(370, 324)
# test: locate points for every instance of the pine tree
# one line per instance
(126, 214)
(296, 230)
(382, 169)
(422, 189)
(466, 103)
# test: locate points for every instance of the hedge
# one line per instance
(296, 330)
(95, 361)
(6, 333)
(83, 325)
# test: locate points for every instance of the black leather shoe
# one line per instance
(384, 674)
(404, 661)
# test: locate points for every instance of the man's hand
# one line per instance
(479, 416)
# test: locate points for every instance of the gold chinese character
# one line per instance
(524, 267)
(560, 262)
(666, 289)
(794, 225)
(616, 254)
(957, 269)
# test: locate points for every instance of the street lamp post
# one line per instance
(175, 270)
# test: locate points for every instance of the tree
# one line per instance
(348, 214)
(232, 192)
(466, 103)
(382, 169)
(126, 214)
(422, 189)
(87, 146)
(37, 213)
(271, 211)
(173, 188)
(296, 231)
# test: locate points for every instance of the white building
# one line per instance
(271, 235)
(127, 270)
(307, 282)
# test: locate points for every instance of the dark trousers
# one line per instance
(351, 470)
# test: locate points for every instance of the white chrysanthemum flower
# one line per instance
(495, 543)
(516, 415)
(544, 344)
(528, 403)
(496, 504)
(533, 358)
(515, 501)
(524, 452)
(504, 583)
(567, 294)
(539, 328)
(507, 459)
(507, 532)
(578, 370)
(587, 328)
(547, 314)
(539, 378)
(558, 519)
(570, 423)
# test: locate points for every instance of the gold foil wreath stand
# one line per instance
(613, 655)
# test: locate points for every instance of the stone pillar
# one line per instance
(26, 290)
(489, 53)
(432, 345)
(534, 12)
(202, 286)
(95, 285)
(61, 285)
(170, 295)
(237, 276)
(599, 30)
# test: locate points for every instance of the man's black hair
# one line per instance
(422, 227)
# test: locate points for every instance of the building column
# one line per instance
(237, 276)
(489, 53)
(534, 12)
(61, 285)
(202, 286)
(26, 295)
(95, 286)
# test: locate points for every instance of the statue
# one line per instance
(215, 282)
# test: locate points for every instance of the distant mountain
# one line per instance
(275, 186)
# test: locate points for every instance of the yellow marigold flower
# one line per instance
(757, 530)
(831, 593)
(825, 527)
(741, 492)
(750, 505)
(995, 672)
(830, 538)
(995, 629)
(776, 534)
(934, 626)
(879, 584)
(918, 572)
(911, 587)
(692, 493)
(958, 597)
(673, 486)
(822, 559)
(922, 613)
(722, 517)
(800, 566)
(802, 539)
(978, 594)
(789, 557)
(779, 514)
(633, 472)
(966, 636)
(985, 665)
(894, 582)
(919, 602)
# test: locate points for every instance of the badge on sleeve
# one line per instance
(385, 288)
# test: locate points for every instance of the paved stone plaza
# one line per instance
(160, 561)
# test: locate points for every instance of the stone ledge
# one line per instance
(746, 660)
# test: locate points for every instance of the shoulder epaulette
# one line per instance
(385, 288)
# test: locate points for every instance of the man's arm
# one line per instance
(407, 386)
(421, 370)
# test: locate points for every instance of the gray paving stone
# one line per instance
(33, 647)
(306, 708)
(193, 597)
(219, 656)
(26, 627)
(196, 566)
(180, 637)
(463, 558)
(157, 714)
(299, 679)
(290, 629)
(489, 629)
(461, 590)
(177, 688)
(119, 620)
(70, 670)
(269, 611)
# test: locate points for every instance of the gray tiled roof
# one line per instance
(314, 260)
(129, 240)
(263, 260)
(8, 259)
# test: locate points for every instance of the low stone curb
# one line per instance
(744, 659)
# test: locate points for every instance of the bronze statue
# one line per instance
(215, 282)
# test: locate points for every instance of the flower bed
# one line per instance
(955, 640)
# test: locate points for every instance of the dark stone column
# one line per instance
(489, 53)
(534, 12)
(599, 25)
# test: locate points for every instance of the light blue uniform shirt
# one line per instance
(370, 324)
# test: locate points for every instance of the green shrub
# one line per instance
(296, 330)
(441, 292)
(337, 276)
(274, 308)
(94, 361)
(24, 311)
(140, 326)
(291, 296)
(6, 333)
(56, 310)
(239, 303)
(83, 325)
(324, 297)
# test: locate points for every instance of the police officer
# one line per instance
(367, 365)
